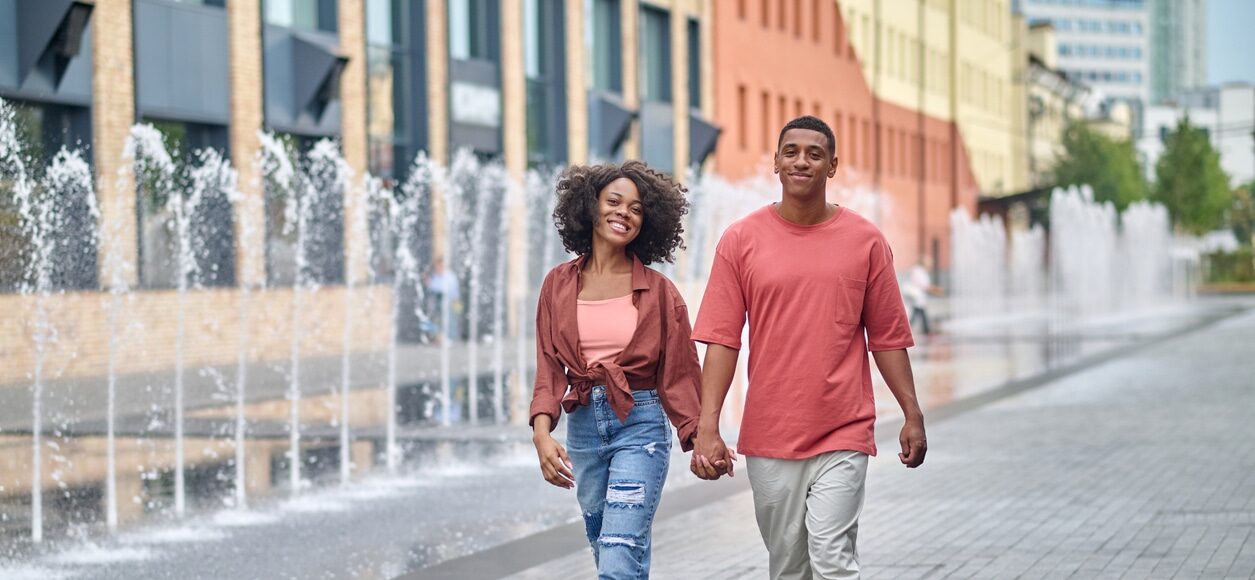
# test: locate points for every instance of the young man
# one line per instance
(818, 285)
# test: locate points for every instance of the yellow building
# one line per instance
(1054, 101)
(952, 59)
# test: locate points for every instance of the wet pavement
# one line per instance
(1139, 466)
(466, 491)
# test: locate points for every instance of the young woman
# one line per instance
(613, 351)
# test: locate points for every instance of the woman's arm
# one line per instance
(550, 385)
(679, 375)
(551, 382)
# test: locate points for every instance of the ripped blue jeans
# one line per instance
(619, 472)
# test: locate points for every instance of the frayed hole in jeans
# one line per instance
(625, 494)
(620, 540)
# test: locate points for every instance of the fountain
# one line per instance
(502, 237)
(44, 225)
(1098, 262)
(404, 225)
(276, 352)
(324, 178)
(185, 391)
(359, 221)
(980, 252)
(115, 269)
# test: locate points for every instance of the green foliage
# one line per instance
(1110, 167)
(1237, 266)
(1190, 182)
(1242, 213)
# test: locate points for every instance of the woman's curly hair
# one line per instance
(663, 200)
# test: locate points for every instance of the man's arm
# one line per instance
(711, 457)
(895, 367)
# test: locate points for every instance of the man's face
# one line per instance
(804, 163)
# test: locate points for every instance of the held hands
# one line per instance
(711, 457)
(554, 463)
(914, 444)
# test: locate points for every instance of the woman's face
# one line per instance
(619, 213)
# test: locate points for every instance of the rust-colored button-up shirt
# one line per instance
(661, 354)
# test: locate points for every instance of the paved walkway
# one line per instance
(1141, 467)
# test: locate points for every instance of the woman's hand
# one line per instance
(554, 463)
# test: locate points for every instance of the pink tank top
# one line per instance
(606, 327)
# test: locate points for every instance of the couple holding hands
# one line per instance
(616, 353)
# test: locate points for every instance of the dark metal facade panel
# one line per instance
(703, 137)
(181, 62)
(38, 80)
(38, 22)
(609, 122)
(281, 83)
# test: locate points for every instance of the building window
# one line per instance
(543, 52)
(766, 122)
(695, 64)
(816, 10)
(838, 131)
(655, 56)
(797, 19)
(868, 152)
(603, 41)
(210, 231)
(42, 130)
(742, 123)
(838, 34)
(387, 69)
(302, 14)
(853, 148)
(473, 30)
(324, 238)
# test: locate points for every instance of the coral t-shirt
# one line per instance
(817, 298)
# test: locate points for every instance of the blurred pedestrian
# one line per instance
(919, 284)
(446, 295)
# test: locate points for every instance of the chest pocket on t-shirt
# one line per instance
(849, 300)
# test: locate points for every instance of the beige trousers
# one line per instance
(807, 511)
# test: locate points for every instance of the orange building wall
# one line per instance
(773, 64)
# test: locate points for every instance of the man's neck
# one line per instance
(805, 211)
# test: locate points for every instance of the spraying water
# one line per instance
(404, 225)
(155, 173)
(499, 313)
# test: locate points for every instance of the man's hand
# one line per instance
(554, 463)
(711, 457)
(914, 443)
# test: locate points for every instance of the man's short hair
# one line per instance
(811, 123)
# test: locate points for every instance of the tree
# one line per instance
(1109, 166)
(1242, 213)
(1190, 182)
